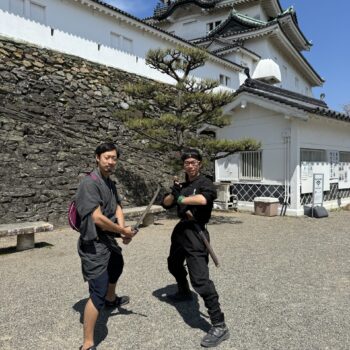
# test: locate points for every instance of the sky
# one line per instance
(324, 23)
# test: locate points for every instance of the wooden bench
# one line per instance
(25, 232)
(136, 212)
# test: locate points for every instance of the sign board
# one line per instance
(308, 169)
(333, 158)
(317, 192)
(344, 175)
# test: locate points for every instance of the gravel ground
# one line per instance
(283, 283)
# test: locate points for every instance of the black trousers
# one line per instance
(186, 245)
(98, 286)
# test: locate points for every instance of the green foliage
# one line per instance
(169, 117)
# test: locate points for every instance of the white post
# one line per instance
(295, 168)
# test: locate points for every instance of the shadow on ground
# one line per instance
(10, 250)
(188, 310)
(101, 329)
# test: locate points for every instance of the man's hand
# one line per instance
(129, 232)
(126, 240)
(176, 190)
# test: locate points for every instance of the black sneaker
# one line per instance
(215, 336)
(118, 301)
(180, 297)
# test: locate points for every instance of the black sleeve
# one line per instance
(208, 190)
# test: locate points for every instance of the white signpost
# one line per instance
(317, 191)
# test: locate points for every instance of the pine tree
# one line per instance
(168, 118)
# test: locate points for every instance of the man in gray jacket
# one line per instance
(102, 220)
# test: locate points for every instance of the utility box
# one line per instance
(266, 206)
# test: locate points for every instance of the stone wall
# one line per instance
(54, 110)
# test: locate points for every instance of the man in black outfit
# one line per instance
(194, 199)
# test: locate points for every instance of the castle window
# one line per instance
(296, 82)
(285, 72)
(127, 44)
(344, 157)
(225, 80)
(37, 12)
(17, 7)
(115, 40)
(121, 42)
(312, 155)
(212, 25)
(188, 23)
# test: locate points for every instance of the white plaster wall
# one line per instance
(330, 135)
(79, 31)
(241, 59)
(266, 49)
(267, 127)
(194, 25)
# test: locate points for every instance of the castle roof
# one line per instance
(161, 12)
(242, 28)
(291, 99)
(237, 23)
(150, 27)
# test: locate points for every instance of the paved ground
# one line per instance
(284, 284)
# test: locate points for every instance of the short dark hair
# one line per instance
(106, 147)
(191, 153)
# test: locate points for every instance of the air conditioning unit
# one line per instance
(225, 199)
(267, 71)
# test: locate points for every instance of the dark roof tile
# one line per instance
(293, 99)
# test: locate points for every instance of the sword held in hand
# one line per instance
(146, 211)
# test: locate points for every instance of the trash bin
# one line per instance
(266, 206)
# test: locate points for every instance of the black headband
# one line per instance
(192, 153)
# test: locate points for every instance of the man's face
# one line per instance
(107, 162)
(192, 166)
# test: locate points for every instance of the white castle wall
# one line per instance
(83, 32)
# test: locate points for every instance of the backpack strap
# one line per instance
(93, 176)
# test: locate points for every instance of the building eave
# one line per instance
(125, 17)
(166, 11)
(272, 7)
(294, 33)
(237, 47)
(287, 20)
(299, 102)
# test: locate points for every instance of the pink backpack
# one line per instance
(74, 219)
